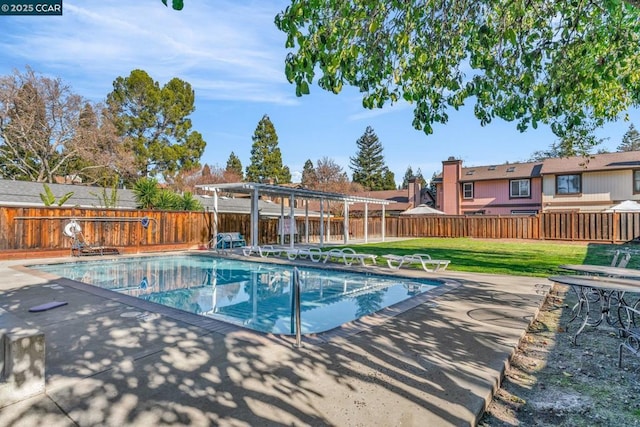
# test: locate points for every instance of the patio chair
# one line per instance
(428, 264)
(621, 259)
(262, 251)
(227, 241)
(79, 244)
(313, 254)
(348, 256)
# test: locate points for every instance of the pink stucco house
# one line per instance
(514, 188)
(586, 184)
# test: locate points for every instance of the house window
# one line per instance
(569, 184)
(520, 188)
(636, 181)
(467, 190)
(524, 212)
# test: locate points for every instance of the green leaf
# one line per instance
(304, 88)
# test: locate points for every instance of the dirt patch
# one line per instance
(552, 382)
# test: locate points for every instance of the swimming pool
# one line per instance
(254, 295)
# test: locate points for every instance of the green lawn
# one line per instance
(520, 258)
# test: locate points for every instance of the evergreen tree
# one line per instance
(630, 140)
(432, 185)
(309, 177)
(266, 159)
(285, 175)
(368, 165)
(420, 178)
(155, 122)
(206, 171)
(388, 180)
(407, 176)
(234, 166)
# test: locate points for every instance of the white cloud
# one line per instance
(226, 50)
(365, 114)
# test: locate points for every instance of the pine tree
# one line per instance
(234, 166)
(420, 178)
(407, 176)
(266, 159)
(309, 177)
(368, 165)
(630, 140)
(388, 180)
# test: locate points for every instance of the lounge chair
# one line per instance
(424, 260)
(313, 254)
(80, 246)
(348, 256)
(262, 251)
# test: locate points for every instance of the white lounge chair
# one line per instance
(424, 260)
(313, 254)
(348, 256)
(262, 251)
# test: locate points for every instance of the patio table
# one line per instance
(603, 270)
(596, 295)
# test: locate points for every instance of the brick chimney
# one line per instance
(414, 192)
(449, 198)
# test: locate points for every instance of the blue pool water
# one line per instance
(254, 295)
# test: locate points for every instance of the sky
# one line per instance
(233, 56)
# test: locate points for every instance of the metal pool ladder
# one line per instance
(296, 308)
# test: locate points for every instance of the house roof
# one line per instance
(597, 162)
(422, 210)
(506, 171)
(27, 193)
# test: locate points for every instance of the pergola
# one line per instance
(256, 189)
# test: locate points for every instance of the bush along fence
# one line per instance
(31, 231)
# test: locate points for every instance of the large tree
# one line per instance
(309, 177)
(46, 130)
(99, 157)
(369, 169)
(630, 140)
(408, 174)
(234, 167)
(266, 158)
(570, 64)
(154, 120)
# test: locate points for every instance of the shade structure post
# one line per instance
(366, 222)
(346, 222)
(306, 221)
(292, 222)
(255, 217)
(215, 216)
(383, 222)
(321, 222)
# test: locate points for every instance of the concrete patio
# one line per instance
(117, 361)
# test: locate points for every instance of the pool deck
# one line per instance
(112, 362)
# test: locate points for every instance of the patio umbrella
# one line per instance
(422, 210)
(626, 206)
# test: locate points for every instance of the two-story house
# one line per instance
(590, 184)
(594, 183)
(514, 188)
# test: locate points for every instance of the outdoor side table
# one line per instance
(596, 295)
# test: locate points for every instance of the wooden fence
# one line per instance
(609, 227)
(31, 231)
